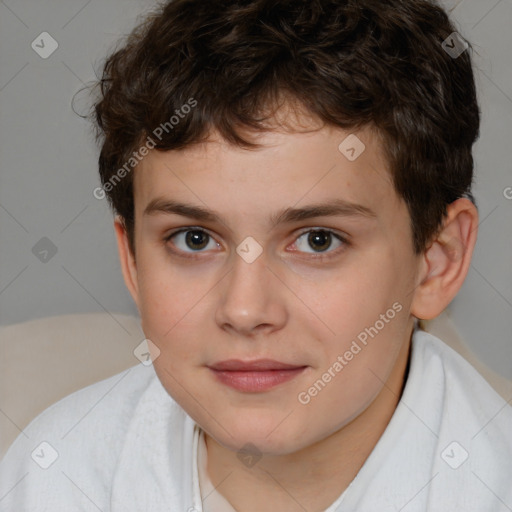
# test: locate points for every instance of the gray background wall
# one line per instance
(48, 168)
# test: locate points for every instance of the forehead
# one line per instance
(290, 169)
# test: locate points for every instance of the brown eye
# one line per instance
(196, 240)
(320, 240)
(191, 240)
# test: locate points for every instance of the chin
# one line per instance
(271, 437)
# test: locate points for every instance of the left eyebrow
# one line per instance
(334, 208)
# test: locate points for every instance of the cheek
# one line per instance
(168, 292)
(169, 307)
(352, 298)
(365, 315)
(354, 374)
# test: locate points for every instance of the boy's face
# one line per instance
(301, 302)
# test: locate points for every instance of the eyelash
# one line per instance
(316, 257)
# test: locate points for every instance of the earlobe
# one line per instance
(446, 262)
(127, 259)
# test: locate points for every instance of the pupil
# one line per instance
(197, 239)
(320, 237)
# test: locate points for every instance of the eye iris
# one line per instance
(321, 237)
(196, 238)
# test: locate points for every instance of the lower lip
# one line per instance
(256, 381)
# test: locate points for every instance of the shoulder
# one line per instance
(78, 439)
(456, 373)
(474, 422)
(110, 401)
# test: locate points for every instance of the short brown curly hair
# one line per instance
(350, 63)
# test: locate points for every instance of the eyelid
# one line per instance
(185, 229)
(343, 236)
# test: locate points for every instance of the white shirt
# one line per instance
(123, 445)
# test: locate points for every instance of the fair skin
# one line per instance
(201, 303)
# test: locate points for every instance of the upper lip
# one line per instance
(258, 365)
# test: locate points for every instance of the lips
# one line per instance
(254, 376)
(235, 365)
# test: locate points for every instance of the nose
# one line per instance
(252, 299)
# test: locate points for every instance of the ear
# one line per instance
(127, 258)
(445, 264)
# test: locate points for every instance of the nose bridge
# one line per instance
(251, 296)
